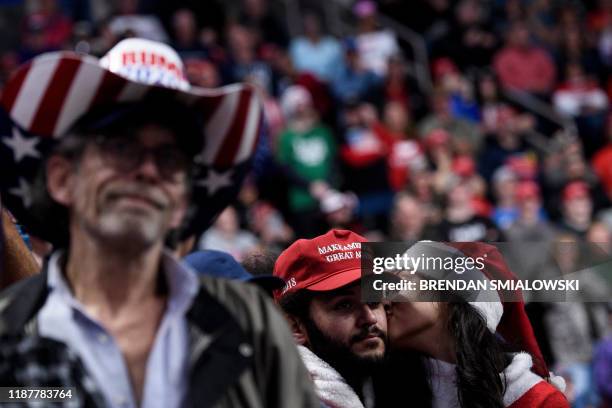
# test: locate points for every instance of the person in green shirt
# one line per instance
(308, 148)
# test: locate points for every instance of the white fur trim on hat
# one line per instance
(491, 311)
(519, 378)
(487, 302)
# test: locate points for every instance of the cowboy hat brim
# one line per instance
(46, 96)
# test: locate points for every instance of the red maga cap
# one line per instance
(324, 263)
(437, 137)
(576, 189)
(526, 190)
(464, 166)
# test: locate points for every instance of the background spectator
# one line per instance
(308, 147)
(603, 364)
(223, 265)
(315, 52)
(375, 45)
(465, 136)
(225, 235)
(129, 22)
(408, 219)
(577, 208)
(522, 65)
(354, 81)
(461, 222)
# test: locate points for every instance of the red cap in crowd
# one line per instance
(576, 189)
(464, 166)
(437, 137)
(442, 67)
(526, 190)
(324, 263)
(505, 116)
(525, 166)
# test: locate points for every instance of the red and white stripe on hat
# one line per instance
(50, 93)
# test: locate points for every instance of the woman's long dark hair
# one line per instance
(481, 357)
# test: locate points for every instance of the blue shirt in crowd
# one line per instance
(321, 59)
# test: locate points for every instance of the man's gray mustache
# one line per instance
(154, 196)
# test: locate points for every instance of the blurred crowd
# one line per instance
(511, 140)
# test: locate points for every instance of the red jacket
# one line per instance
(528, 390)
(542, 395)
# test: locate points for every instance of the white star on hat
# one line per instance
(215, 181)
(21, 146)
(23, 191)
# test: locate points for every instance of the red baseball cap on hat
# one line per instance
(575, 189)
(324, 263)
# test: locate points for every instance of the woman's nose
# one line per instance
(388, 307)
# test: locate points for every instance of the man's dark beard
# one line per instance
(353, 368)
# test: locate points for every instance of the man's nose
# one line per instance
(147, 167)
(368, 317)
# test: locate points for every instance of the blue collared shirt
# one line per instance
(64, 319)
(321, 59)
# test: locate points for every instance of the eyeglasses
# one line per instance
(126, 154)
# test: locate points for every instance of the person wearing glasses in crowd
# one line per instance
(123, 143)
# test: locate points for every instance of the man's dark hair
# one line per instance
(259, 263)
(297, 304)
(47, 214)
(125, 118)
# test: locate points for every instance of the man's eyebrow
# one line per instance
(338, 293)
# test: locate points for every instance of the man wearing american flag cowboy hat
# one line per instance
(102, 159)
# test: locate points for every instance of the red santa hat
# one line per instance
(506, 317)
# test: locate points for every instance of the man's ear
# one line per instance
(59, 179)
(181, 208)
(179, 213)
(298, 330)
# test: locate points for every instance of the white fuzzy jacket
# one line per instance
(524, 388)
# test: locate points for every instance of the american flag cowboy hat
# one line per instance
(46, 96)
